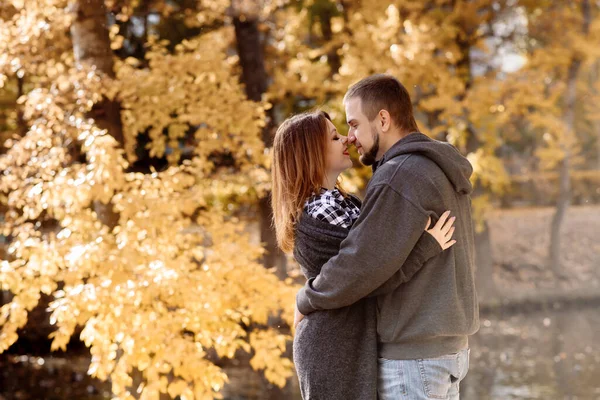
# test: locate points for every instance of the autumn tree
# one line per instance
(544, 101)
(561, 60)
(173, 281)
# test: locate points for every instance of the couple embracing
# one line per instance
(389, 300)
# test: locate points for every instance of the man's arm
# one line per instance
(376, 247)
(427, 247)
(432, 242)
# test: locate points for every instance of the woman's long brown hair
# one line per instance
(298, 170)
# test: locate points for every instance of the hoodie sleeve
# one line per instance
(426, 248)
(379, 242)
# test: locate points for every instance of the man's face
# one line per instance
(362, 132)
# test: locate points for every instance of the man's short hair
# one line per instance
(384, 92)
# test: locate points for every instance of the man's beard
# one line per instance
(369, 157)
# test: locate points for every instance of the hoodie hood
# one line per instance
(456, 167)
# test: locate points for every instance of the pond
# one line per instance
(548, 355)
(544, 355)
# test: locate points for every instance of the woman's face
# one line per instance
(337, 158)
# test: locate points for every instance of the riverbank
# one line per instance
(520, 240)
(515, 302)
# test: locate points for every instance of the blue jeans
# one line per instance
(433, 378)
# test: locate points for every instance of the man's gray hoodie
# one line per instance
(432, 314)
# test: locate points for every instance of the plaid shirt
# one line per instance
(330, 206)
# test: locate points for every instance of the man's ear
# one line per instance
(385, 120)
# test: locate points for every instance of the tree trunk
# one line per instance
(484, 278)
(91, 47)
(22, 127)
(564, 180)
(5, 295)
(597, 121)
(564, 199)
(333, 58)
(255, 80)
(594, 76)
(564, 194)
(254, 77)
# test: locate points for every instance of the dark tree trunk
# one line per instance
(21, 124)
(564, 194)
(5, 295)
(333, 58)
(252, 59)
(91, 46)
(255, 80)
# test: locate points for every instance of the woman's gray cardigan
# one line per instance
(335, 351)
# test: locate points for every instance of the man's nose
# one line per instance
(351, 138)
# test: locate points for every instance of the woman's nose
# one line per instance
(345, 140)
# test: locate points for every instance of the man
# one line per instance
(423, 326)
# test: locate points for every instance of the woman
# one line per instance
(335, 351)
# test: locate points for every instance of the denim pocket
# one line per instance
(440, 376)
